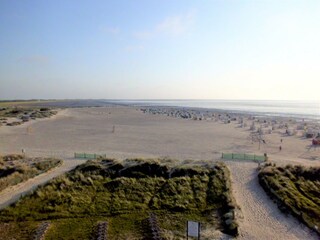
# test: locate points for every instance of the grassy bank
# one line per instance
(296, 189)
(23, 114)
(16, 168)
(124, 193)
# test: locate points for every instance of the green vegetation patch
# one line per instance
(18, 230)
(23, 114)
(16, 168)
(296, 190)
(72, 228)
(125, 193)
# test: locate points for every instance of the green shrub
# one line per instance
(10, 176)
(296, 190)
(117, 190)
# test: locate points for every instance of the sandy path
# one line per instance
(12, 194)
(259, 217)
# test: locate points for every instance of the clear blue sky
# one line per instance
(166, 49)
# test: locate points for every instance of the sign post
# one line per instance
(193, 229)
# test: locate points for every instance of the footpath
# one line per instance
(14, 193)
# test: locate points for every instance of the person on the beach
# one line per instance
(280, 148)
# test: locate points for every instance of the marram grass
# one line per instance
(123, 194)
(296, 190)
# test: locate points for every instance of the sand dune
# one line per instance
(12, 194)
(123, 132)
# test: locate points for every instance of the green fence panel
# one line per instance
(242, 156)
(249, 157)
(238, 156)
(79, 155)
(89, 155)
(227, 155)
(260, 158)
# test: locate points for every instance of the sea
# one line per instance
(297, 109)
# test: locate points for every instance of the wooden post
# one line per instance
(187, 231)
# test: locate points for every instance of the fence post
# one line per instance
(232, 156)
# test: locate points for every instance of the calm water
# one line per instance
(274, 108)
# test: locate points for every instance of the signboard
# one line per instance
(193, 229)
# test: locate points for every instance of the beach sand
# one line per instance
(144, 135)
(126, 132)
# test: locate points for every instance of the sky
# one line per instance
(152, 49)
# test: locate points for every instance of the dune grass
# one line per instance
(296, 190)
(71, 228)
(125, 193)
(23, 113)
(16, 168)
(18, 230)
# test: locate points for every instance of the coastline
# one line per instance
(247, 107)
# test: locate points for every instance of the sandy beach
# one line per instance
(146, 135)
(126, 132)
